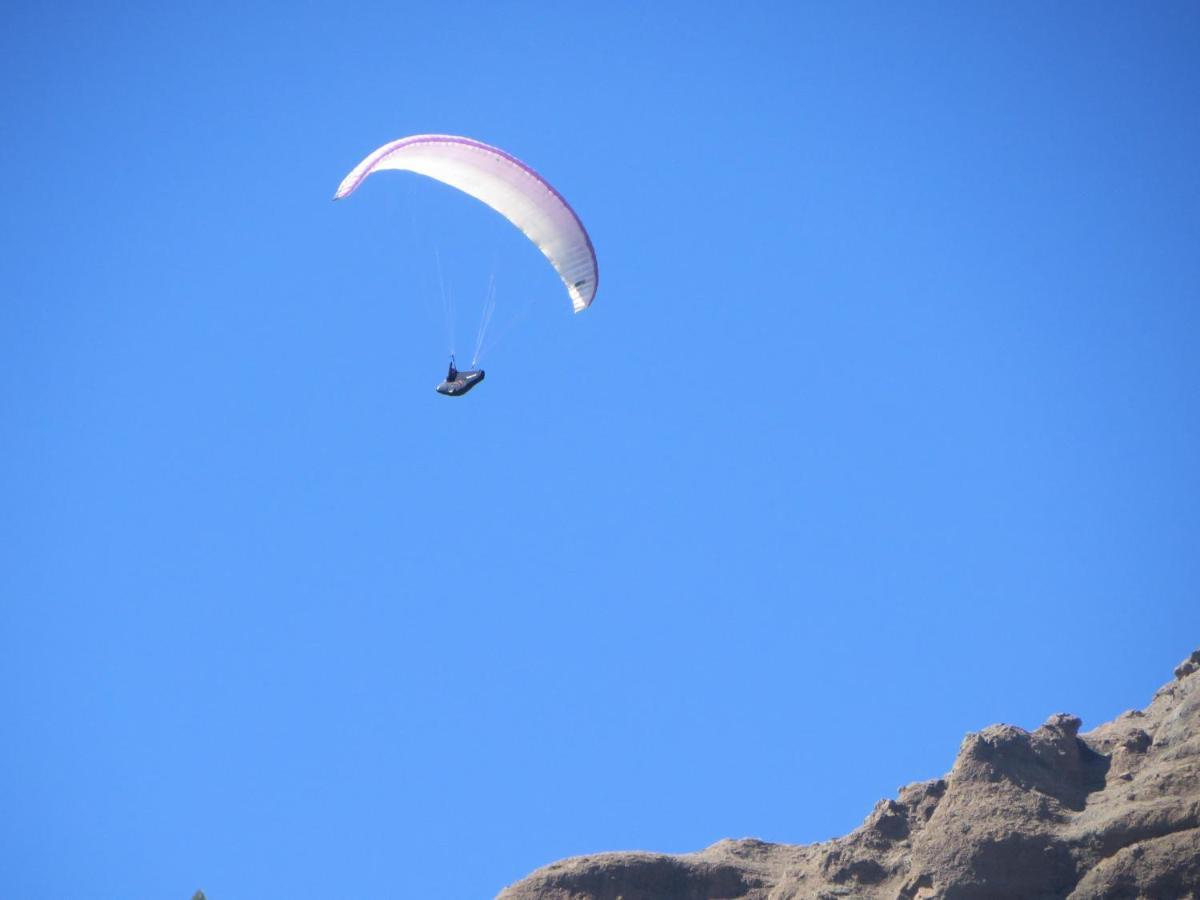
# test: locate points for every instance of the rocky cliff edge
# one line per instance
(1053, 813)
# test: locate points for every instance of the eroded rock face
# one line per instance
(1111, 813)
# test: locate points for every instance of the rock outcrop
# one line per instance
(1053, 813)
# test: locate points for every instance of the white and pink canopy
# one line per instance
(505, 184)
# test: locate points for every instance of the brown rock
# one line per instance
(1111, 813)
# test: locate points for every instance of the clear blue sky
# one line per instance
(884, 427)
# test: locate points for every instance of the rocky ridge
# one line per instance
(1054, 813)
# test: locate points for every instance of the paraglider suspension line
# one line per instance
(447, 301)
(485, 319)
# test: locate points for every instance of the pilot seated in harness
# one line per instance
(458, 383)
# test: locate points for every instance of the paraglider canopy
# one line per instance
(505, 184)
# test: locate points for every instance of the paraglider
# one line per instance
(511, 188)
(458, 383)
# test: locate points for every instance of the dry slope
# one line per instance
(1112, 813)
